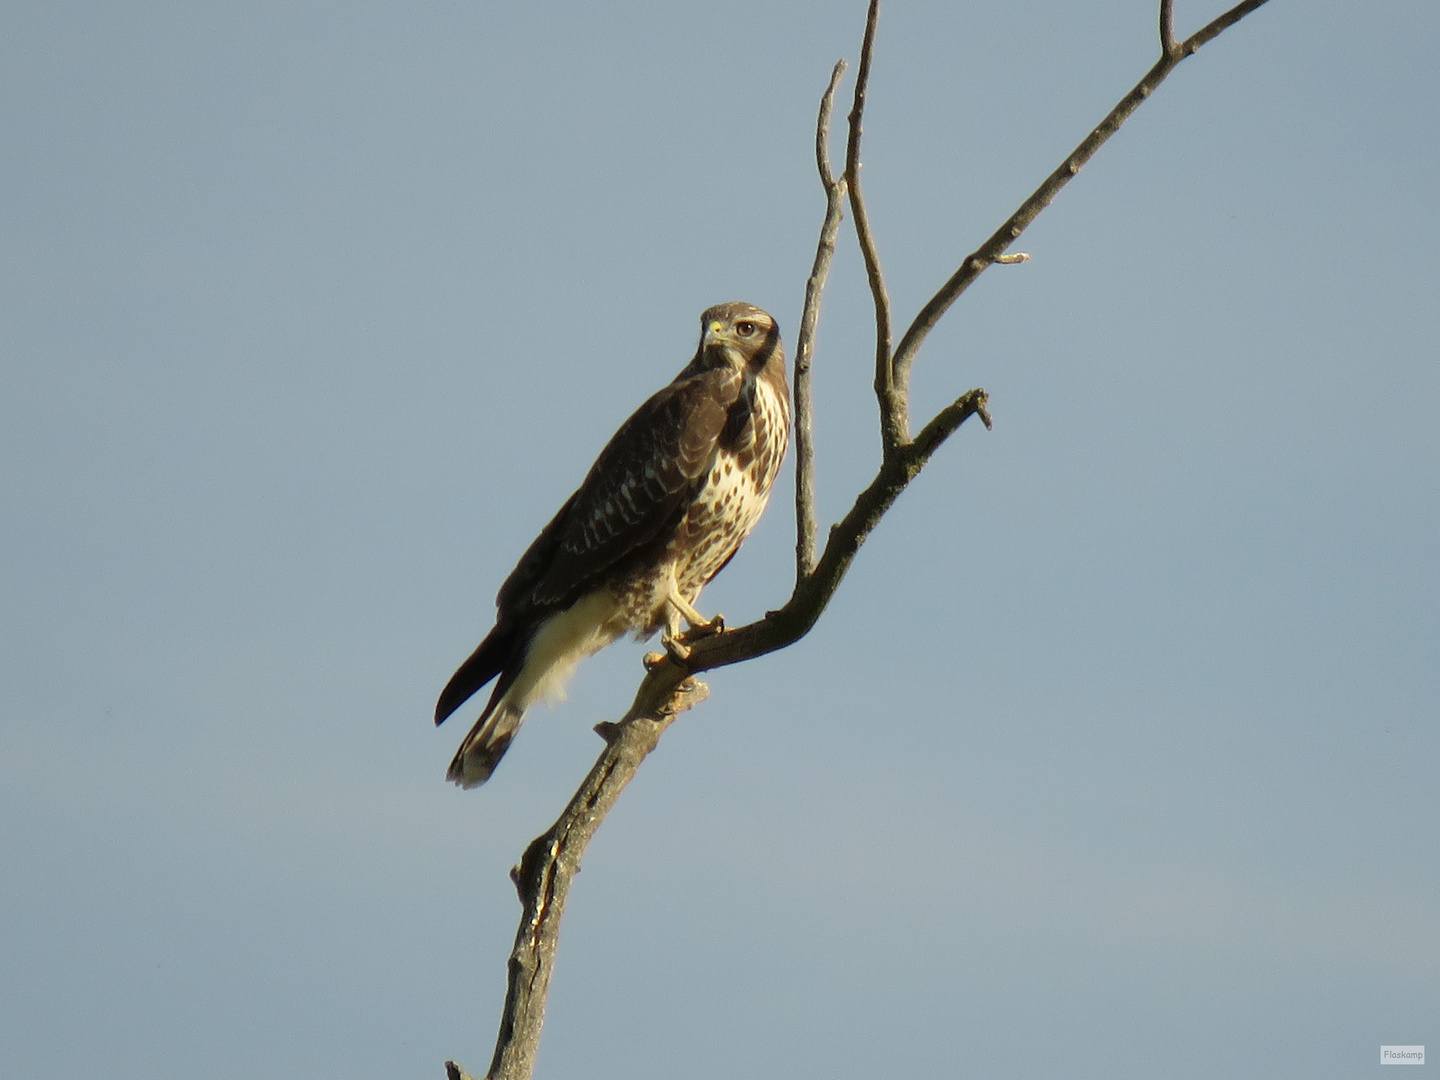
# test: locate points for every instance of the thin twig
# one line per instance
(948, 420)
(822, 126)
(980, 260)
(1167, 28)
(805, 523)
(894, 416)
(1213, 29)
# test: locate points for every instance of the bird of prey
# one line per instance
(665, 506)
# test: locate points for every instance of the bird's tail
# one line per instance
(486, 744)
(487, 661)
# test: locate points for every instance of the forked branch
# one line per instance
(990, 252)
(544, 874)
(1167, 28)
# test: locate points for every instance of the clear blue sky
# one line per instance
(1115, 757)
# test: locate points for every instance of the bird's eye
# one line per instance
(745, 328)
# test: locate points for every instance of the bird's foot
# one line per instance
(677, 645)
(706, 629)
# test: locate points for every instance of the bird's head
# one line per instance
(737, 335)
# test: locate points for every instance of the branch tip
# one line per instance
(889, 381)
(836, 191)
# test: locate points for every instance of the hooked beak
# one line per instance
(716, 334)
(718, 338)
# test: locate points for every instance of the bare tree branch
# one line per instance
(544, 874)
(948, 420)
(790, 623)
(989, 252)
(805, 524)
(552, 860)
(1211, 30)
(894, 410)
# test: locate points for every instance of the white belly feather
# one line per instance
(563, 640)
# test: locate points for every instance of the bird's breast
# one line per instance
(734, 495)
(722, 513)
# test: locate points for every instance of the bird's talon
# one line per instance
(679, 652)
(706, 629)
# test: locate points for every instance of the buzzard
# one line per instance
(666, 505)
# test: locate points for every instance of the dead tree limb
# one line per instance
(550, 863)
(894, 408)
(544, 874)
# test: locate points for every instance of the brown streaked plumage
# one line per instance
(665, 506)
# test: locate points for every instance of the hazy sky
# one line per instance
(1116, 756)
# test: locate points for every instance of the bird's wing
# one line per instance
(515, 593)
(636, 493)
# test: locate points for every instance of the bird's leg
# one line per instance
(670, 637)
(707, 629)
(677, 608)
(684, 609)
